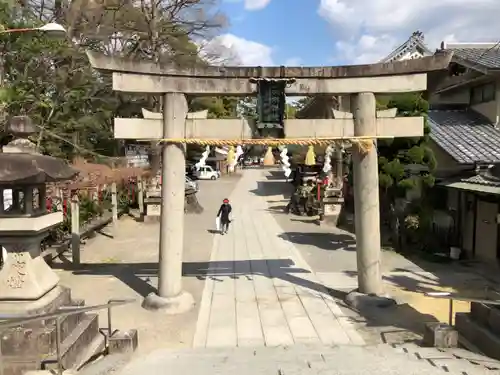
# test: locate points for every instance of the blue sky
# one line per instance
(288, 27)
(330, 32)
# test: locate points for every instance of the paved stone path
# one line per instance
(259, 290)
(299, 359)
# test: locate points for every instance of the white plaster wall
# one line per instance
(454, 97)
(487, 109)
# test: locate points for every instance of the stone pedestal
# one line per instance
(25, 276)
(440, 335)
(332, 205)
(152, 204)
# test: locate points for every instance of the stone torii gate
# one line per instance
(361, 82)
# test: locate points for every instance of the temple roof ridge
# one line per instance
(412, 44)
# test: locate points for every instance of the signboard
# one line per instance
(271, 104)
(154, 210)
(137, 155)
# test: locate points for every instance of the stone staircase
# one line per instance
(452, 360)
(315, 359)
(481, 327)
(33, 346)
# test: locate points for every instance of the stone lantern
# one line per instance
(27, 283)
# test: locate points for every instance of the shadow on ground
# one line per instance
(138, 277)
(272, 188)
(278, 208)
(325, 241)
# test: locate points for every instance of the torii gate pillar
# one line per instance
(171, 297)
(366, 196)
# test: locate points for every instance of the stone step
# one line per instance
(461, 366)
(41, 339)
(18, 365)
(474, 357)
(285, 361)
(76, 343)
(109, 364)
(93, 351)
(480, 336)
(449, 360)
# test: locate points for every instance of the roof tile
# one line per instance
(487, 57)
(466, 135)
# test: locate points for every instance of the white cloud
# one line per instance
(256, 4)
(230, 49)
(369, 30)
(252, 4)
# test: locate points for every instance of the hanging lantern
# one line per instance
(310, 156)
(269, 157)
(230, 155)
(271, 103)
(231, 158)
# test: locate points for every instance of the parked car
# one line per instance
(207, 173)
(190, 184)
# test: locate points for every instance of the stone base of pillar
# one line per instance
(179, 304)
(25, 276)
(364, 302)
(50, 302)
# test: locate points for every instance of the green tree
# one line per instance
(247, 107)
(218, 107)
(397, 154)
(53, 83)
(405, 164)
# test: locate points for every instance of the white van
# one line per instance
(207, 173)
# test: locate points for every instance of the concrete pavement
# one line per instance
(259, 290)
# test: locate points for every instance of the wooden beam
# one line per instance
(127, 82)
(439, 61)
(149, 129)
(386, 127)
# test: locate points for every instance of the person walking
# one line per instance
(223, 215)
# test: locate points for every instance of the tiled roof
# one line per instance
(481, 180)
(487, 57)
(465, 135)
(415, 44)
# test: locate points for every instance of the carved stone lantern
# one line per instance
(27, 283)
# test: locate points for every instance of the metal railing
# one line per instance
(455, 297)
(11, 321)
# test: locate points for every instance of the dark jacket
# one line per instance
(224, 211)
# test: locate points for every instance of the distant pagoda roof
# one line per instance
(414, 47)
